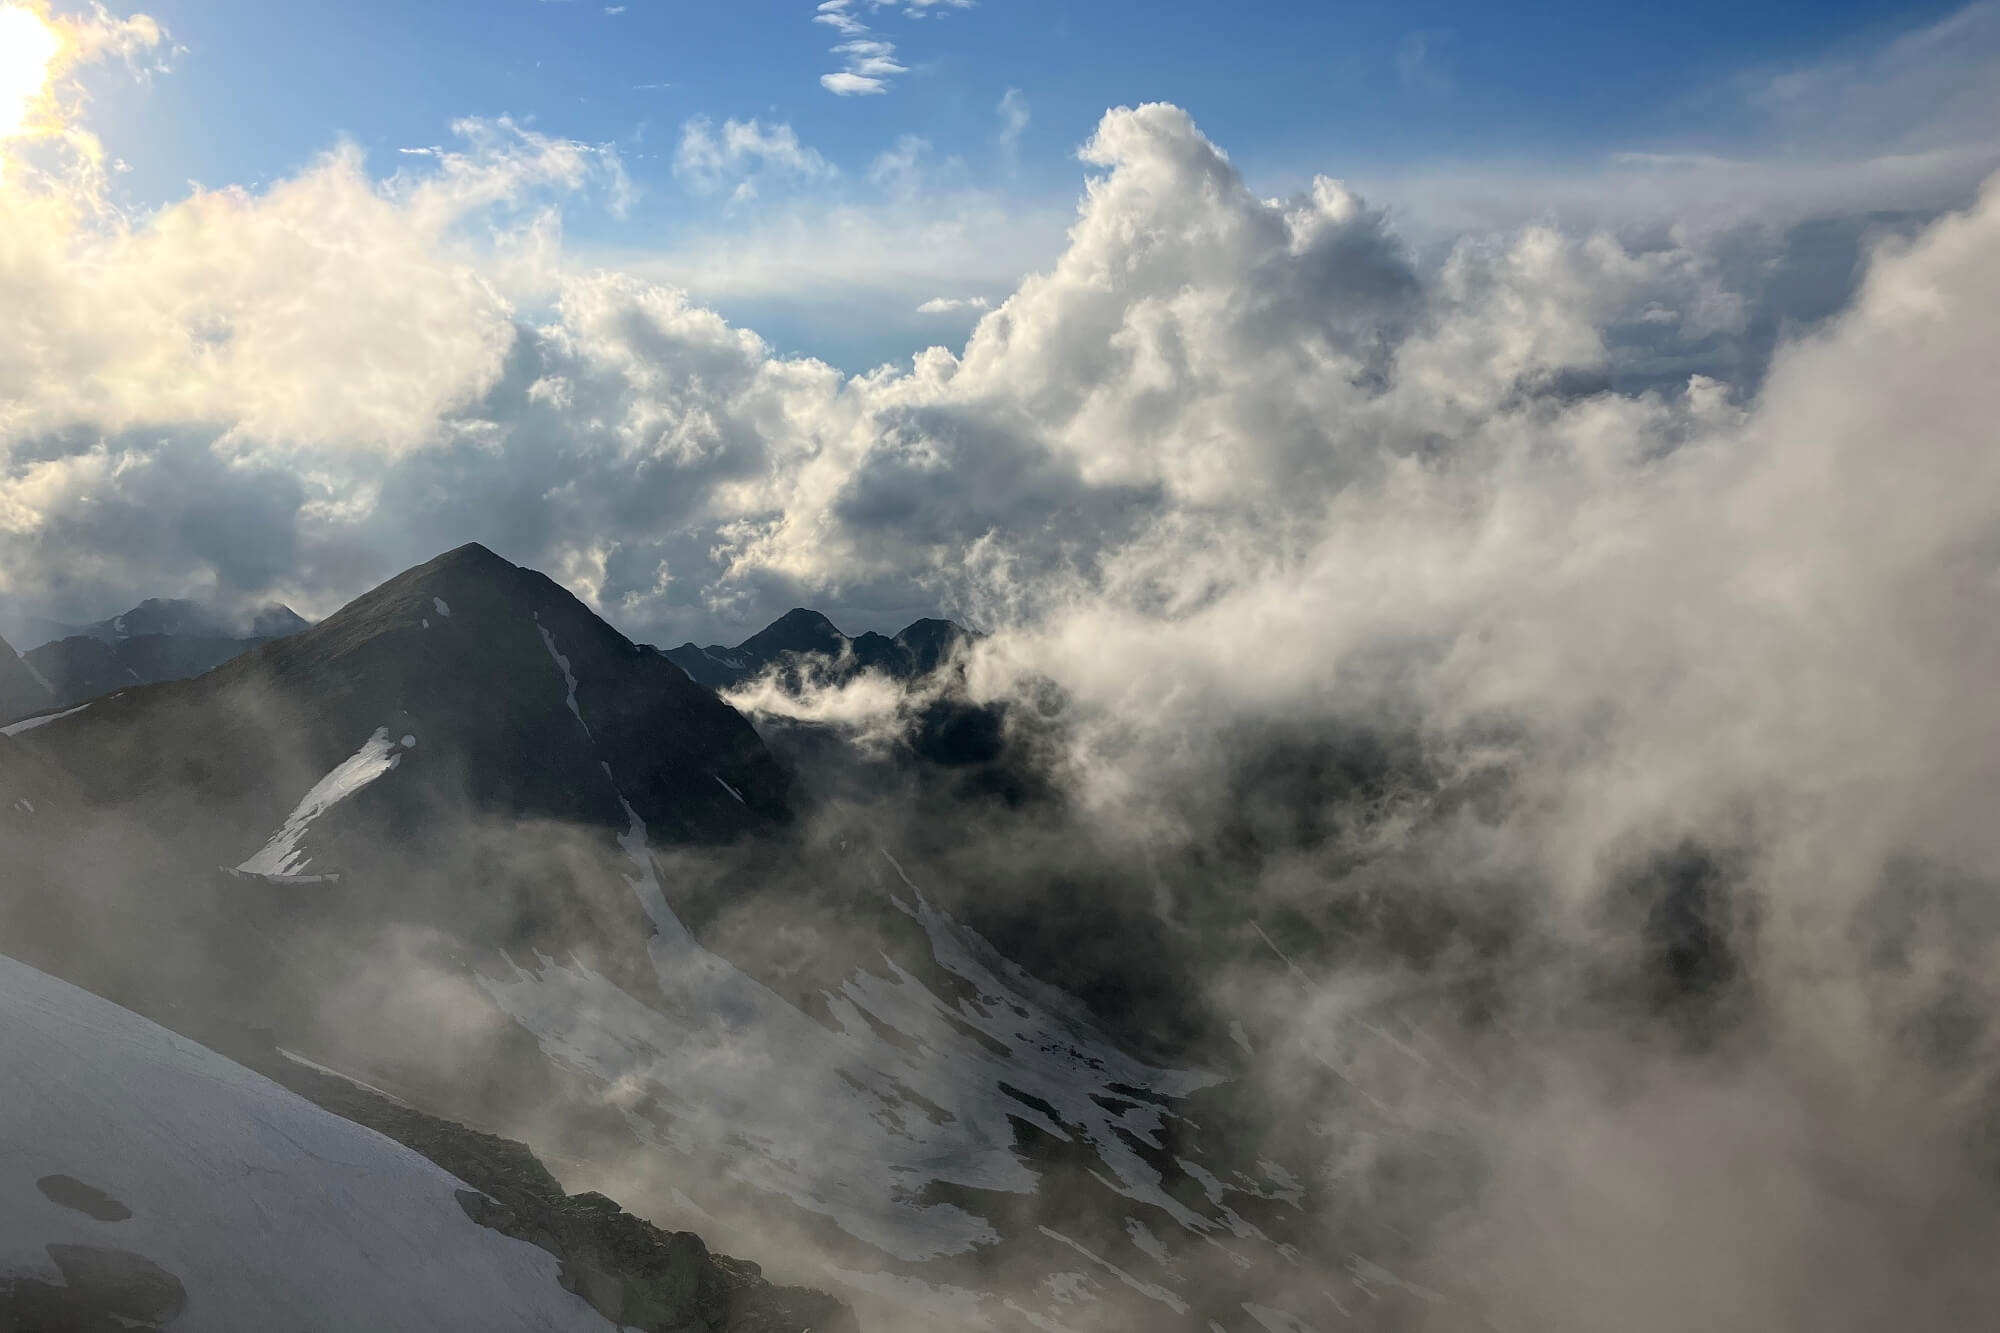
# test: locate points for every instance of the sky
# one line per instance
(891, 309)
(971, 124)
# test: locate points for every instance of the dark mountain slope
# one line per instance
(21, 690)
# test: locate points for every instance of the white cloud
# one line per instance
(707, 157)
(1014, 117)
(869, 60)
(948, 305)
(870, 64)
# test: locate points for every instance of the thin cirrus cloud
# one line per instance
(869, 60)
(952, 305)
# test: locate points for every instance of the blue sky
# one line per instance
(1374, 92)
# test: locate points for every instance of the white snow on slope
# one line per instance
(19, 727)
(845, 1121)
(438, 605)
(273, 1213)
(281, 858)
(569, 677)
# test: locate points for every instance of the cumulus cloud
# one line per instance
(947, 305)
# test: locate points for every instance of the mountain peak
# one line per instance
(448, 673)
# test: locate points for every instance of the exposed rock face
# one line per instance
(103, 1291)
(89, 1200)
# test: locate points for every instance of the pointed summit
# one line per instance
(797, 631)
(467, 684)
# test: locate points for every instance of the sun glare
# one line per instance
(28, 47)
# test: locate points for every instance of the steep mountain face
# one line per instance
(803, 641)
(22, 689)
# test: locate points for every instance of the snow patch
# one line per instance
(569, 677)
(280, 858)
(1151, 1291)
(731, 790)
(899, 1089)
(437, 604)
(20, 728)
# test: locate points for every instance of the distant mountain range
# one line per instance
(806, 641)
(157, 640)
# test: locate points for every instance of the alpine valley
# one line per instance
(405, 917)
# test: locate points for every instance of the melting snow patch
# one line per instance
(19, 727)
(1147, 1289)
(280, 857)
(731, 790)
(1277, 1321)
(569, 677)
(1144, 1239)
(437, 604)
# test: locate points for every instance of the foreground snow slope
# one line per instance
(272, 1213)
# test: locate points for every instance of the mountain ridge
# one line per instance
(806, 644)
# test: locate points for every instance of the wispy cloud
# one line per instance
(869, 60)
(951, 305)
(709, 157)
(1014, 117)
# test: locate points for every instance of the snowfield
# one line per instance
(272, 1213)
(280, 858)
